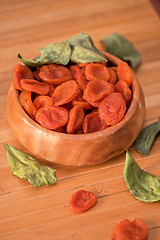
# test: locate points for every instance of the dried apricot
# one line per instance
(55, 74)
(76, 72)
(76, 116)
(112, 108)
(95, 71)
(20, 72)
(27, 104)
(79, 100)
(124, 73)
(51, 91)
(35, 86)
(97, 90)
(130, 230)
(65, 93)
(113, 77)
(122, 87)
(36, 74)
(78, 75)
(42, 101)
(82, 200)
(93, 123)
(52, 117)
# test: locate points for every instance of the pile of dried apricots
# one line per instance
(81, 98)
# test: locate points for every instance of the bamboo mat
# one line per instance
(44, 213)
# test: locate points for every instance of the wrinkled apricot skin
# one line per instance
(65, 93)
(20, 72)
(96, 90)
(76, 72)
(113, 76)
(42, 101)
(36, 74)
(55, 74)
(82, 200)
(124, 73)
(122, 87)
(76, 117)
(51, 91)
(112, 108)
(78, 75)
(52, 117)
(79, 100)
(27, 104)
(35, 86)
(94, 71)
(93, 123)
(127, 230)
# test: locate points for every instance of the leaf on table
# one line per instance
(26, 166)
(122, 48)
(58, 53)
(146, 138)
(84, 50)
(142, 185)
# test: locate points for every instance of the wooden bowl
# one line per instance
(77, 149)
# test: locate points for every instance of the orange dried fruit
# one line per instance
(79, 100)
(127, 230)
(97, 90)
(82, 200)
(113, 77)
(52, 117)
(65, 93)
(112, 108)
(124, 73)
(95, 71)
(42, 101)
(55, 74)
(21, 72)
(35, 86)
(76, 117)
(27, 104)
(122, 87)
(93, 123)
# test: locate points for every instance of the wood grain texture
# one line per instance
(44, 213)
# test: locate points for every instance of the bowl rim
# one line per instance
(86, 136)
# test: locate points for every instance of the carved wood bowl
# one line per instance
(77, 149)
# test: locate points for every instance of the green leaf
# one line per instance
(84, 50)
(78, 49)
(122, 48)
(26, 166)
(28, 62)
(83, 55)
(142, 185)
(146, 138)
(58, 53)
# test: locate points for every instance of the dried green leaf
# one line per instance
(142, 185)
(28, 62)
(83, 55)
(26, 166)
(84, 50)
(58, 53)
(122, 48)
(78, 49)
(146, 138)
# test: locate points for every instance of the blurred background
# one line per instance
(26, 26)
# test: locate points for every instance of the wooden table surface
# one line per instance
(44, 213)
